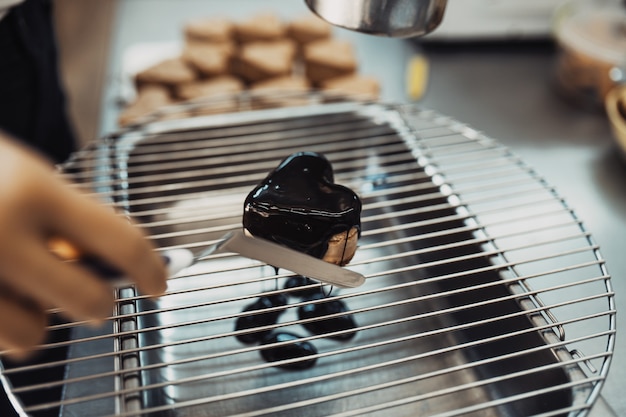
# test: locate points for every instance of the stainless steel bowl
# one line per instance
(393, 18)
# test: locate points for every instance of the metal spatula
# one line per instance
(270, 253)
(236, 242)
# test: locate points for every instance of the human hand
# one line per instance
(36, 205)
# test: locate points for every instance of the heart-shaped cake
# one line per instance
(299, 205)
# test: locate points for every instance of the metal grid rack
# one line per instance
(485, 295)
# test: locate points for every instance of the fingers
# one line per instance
(40, 276)
(22, 326)
(41, 203)
(95, 230)
(36, 205)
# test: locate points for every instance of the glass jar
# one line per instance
(591, 36)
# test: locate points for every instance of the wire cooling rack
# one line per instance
(485, 295)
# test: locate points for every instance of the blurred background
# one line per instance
(533, 74)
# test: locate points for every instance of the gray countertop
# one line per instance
(505, 91)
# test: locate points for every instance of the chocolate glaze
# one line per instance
(331, 324)
(260, 319)
(299, 205)
(297, 349)
(294, 284)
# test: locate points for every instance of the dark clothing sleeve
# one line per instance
(32, 108)
(32, 102)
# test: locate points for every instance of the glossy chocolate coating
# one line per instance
(296, 349)
(299, 205)
(329, 325)
(260, 319)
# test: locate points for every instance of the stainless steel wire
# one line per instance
(485, 295)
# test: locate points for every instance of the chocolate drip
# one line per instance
(260, 319)
(341, 324)
(296, 349)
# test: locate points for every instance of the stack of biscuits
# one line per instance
(269, 57)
